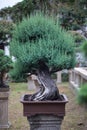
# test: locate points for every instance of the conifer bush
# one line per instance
(82, 95)
(41, 38)
(41, 45)
(6, 28)
(84, 47)
(5, 66)
(17, 74)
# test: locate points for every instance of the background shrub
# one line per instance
(65, 77)
(82, 95)
(79, 39)
(84, 47)
(17, 74)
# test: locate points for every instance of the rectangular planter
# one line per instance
(44, 107)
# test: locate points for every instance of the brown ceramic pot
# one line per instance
(44, 107)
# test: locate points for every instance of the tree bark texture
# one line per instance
(48, 89)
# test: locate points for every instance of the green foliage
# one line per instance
(41, 38)
(5, 62)
(5, 66)
(78, 48)
(65, 77)
(82, 95)
(79, 39)
(5, 12)
(84, 48)
(69, 1)
(17, 74)
(73, 14)
(6, 28)
(22, 9)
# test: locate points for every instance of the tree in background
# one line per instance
(72, 13)
(6, 28)
(21, 9)
(5, 66)
(42, 48)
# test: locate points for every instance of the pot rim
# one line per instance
(65, 100)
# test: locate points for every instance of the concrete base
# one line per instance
(4, 110)
(59, 77)
(45, 122)
(5, 126)
(74, 87)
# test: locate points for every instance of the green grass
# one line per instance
(18, 87)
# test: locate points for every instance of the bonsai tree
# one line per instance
(5, 66)
(42, 48)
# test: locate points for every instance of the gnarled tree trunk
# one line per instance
(48, 89)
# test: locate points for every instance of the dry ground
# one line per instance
(76, 115)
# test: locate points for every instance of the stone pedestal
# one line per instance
(77, 77)
(4, 109)
(59, 78)
(45, 122)
(44, 115)
(31, 84)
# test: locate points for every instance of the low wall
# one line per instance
(77, 77)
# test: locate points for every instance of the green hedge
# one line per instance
(82, 94)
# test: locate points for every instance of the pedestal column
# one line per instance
(4, 109)
(59, 78)
(45, 122)
(44, 115)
